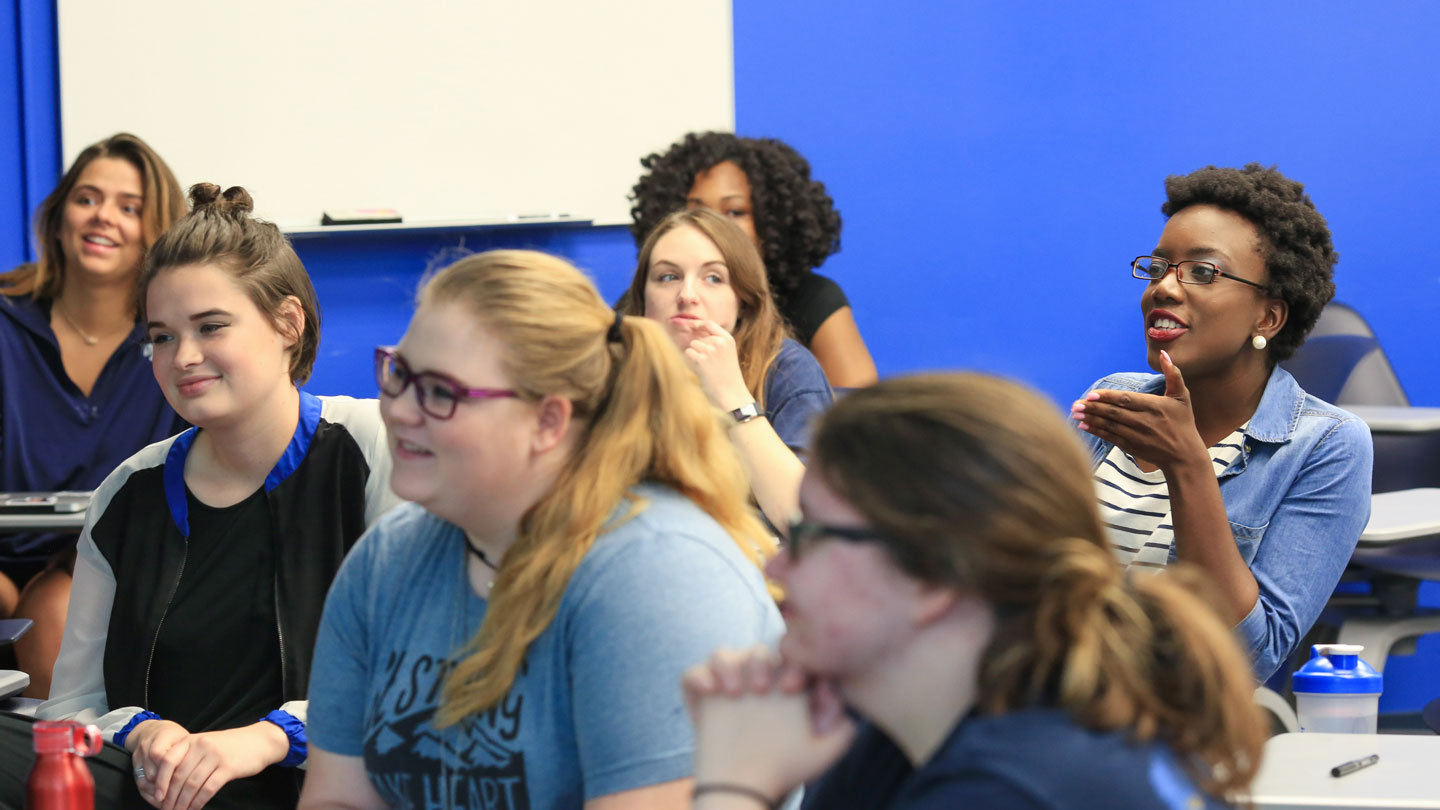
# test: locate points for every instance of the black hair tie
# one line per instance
(614, 335)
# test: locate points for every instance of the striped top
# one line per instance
(1135, 505)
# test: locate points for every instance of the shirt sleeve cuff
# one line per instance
(295, 732)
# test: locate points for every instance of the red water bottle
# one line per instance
(59, 780)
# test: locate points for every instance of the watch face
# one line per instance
(745, 413)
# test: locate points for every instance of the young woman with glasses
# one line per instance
(205, 558)
(1221, 459)
(949, 585)
(700, 278)
(580, 533)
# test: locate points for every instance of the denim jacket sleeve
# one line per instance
(1307, 543)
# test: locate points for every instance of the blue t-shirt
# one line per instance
(1033, 759)
(52, 437)
(796, 393)
(597, 707)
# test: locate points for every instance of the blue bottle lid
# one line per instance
(1336, 669)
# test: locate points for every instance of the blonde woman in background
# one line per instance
(580, 534)
(950, 583)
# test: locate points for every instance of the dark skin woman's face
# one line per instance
(1207, 328)
(724, 188)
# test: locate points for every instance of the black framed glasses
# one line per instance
(803, 533)
(437, 393)
(1154, 268)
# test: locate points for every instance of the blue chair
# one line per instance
(1342, 362)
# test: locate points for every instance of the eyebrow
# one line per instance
(668, 263)
(199, 316)
(98, 190)
(1203, 250)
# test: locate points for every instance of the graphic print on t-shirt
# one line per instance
(474, 764)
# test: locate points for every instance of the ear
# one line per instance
(1272, 317)
(291, 321)
(933, 602)
(554, 422)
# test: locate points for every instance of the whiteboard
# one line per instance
(442, 109)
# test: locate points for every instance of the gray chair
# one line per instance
(1343, 363)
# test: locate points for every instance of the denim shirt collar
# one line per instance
(1278, 414)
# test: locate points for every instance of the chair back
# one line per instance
(1342, 362)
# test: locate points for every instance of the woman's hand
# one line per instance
(762, 723)
(184, 770)
(1157, 429)
(714, 358)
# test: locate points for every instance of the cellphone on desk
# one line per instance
(31, 503)
(12, 629)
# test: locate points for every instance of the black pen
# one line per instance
(1354, 765)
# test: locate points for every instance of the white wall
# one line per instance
(443, 110)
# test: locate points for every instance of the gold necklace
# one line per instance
(89, 341)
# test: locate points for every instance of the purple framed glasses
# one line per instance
(437, 393)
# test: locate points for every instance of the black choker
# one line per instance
(479, 554)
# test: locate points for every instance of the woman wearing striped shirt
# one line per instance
(1222, 459)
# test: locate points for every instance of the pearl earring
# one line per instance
(1258, 341)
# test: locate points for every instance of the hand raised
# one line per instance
(1157, 429)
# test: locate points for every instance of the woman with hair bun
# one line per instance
(581, 532)
(1221, 459)
(949, 582)
(765, 187)
(205, 558)
(76, 396)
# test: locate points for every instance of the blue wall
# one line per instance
(968, 144)
(997, 169)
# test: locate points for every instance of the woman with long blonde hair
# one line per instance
(701, 278)
(949, 582)
(580, 533)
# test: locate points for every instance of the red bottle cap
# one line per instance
(66, 738)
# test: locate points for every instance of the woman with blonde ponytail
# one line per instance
(949, 584)
(580, 534)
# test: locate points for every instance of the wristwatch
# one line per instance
(745, 413)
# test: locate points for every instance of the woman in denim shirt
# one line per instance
(1230, 465)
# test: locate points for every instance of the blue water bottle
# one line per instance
(1337, 692)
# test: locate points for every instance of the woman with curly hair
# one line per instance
(948, 585)
(1230, 465)
(765, 186)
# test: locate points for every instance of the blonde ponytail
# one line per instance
(643, 417)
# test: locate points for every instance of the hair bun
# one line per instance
(233, 199)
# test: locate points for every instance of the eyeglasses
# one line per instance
(1154, 268)
(438, 394)
(803, 533)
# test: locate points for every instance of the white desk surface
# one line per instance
(1295, 772)
(1404, 515)
(1397, 418)
(42, 521)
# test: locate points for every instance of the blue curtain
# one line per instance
(29, 121)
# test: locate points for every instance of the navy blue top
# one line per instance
(796, 394)
(52, 437)
(1035, 758)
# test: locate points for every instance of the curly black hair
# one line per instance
(1299, 256)
(795, 218)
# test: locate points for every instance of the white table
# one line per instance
(1397, 517)
(1295, 772)
(1397, 418)
(56, 521)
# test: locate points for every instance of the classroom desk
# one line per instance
(1403, 535)
(1295, 772)
(64, 521)
(1407, 445)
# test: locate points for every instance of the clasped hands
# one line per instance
(183, 771)
(1159, 429)
(763, 723)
